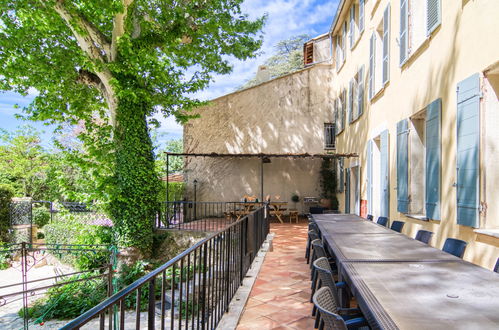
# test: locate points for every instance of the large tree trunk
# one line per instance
(134, 203)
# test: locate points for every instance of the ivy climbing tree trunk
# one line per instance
(134, 203)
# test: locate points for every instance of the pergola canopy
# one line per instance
(262, 155)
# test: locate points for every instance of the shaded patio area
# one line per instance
(280, 296)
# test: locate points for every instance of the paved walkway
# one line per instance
(280, 296)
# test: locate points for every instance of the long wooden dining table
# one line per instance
(401, 283)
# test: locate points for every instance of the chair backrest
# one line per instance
(382, 221)
(318, 248)
(370, 217)
(496, 267)
(326, 305)
(455, 247)
(322, 267)
(423, 236)
(312, 235)
(397, 226)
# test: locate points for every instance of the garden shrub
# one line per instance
(41, 216)
(6, 194)
(69, 231)
(70, 300)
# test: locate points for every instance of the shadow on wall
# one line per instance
(285, 115)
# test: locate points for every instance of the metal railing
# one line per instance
(191, 291)
(201, 216)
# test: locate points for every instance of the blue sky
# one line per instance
(286, 18)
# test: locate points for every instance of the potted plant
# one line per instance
(329, 183)
(295, 199)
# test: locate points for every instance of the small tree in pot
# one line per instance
(329, 183)
(295, 199)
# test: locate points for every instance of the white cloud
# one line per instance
(286, 18)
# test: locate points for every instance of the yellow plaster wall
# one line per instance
(464, 44)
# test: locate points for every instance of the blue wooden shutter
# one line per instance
(468, 143)
(344, 42)
(403, 166)
(361, 16)
(404, 44)
(384, 176)
(433, 159)
(336, 122)
(343, 108)
(360, 90)
(347, 191)
(372, 64)
(386, 45)
(370, 177)
(433, 15)
(342, 176)
(350, 102)
(352, 25)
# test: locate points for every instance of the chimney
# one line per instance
(263, 74)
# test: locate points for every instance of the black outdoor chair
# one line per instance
(312, 235)
(423, 236)
(330, 315)
(370, 217)
(382, 221)
(496, 267)
(325, 278)
(318, 251)
(397, 226)
(455, 247)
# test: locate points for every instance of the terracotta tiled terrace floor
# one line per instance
(280, 296)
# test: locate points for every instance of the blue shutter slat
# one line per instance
(433, 160)
(369, 177)
(402, 166)
(468, 143)
(384, 176)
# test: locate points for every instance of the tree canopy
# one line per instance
(288, 57)
(111, 65)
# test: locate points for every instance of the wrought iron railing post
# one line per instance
(24, 270)
(203, 297)
(151, 312)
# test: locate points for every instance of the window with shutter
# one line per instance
(468, 150)
(360, 88)
(433, 15)
(329, 136)
(336, 117)
(350, 102)
(386, 44)
(403, 31)
(343, 108)
(343, 42)
(432, 157)
(372, 63)
(352, 26)
(361, 16)
(403, 166)
(308, 53)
